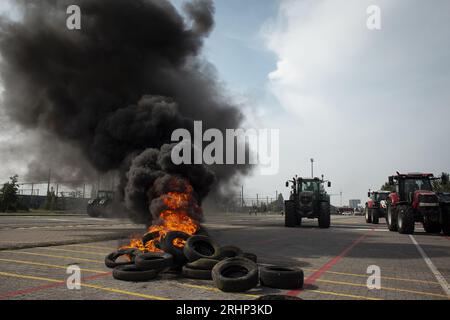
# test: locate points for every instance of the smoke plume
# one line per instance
(116, 89)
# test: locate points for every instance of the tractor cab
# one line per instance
(413, 185)
(415, 201)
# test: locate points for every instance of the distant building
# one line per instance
(354, 203)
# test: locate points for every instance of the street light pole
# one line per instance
(312, 168)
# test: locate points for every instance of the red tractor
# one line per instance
(415, 201)
(376, 206)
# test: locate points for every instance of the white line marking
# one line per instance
(432, 267)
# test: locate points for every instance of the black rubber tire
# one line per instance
(153, 261)
(92, 211)
(149, 237)
(196, 273)
(235, 275)
(432, 227)
(290, 214)
(368, 215)
(375, 216)
(229, 252)
(405, 220)
(281, 277)
(198, 247)
(250, 256)
(133, 274)
(203, 264)
(110, 259)
(273, 297)
(445, 221)
(324, 215)
(391, 218)
(177, 253)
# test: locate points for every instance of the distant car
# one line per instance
(347, 213)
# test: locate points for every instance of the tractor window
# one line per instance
(412, 185)
(309, 186)
(382, 196)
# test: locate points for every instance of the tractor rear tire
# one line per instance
(368, 215)
(375, 216)
(432, 227)
(406, 221)
(324, 215)
(445, 220)
(290, 216)
(391, 219)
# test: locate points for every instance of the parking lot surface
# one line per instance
(35, 252)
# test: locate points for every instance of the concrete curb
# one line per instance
(116, 236)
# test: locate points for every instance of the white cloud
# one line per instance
(364, 103)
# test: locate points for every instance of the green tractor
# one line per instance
(308, 200)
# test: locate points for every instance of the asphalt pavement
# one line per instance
(35, 252)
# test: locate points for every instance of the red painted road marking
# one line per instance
(327, 266)
(47, 286)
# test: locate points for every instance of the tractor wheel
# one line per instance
(93, 211)
(446, 221)
(375, 216)
(368, 215)
(290, 216)
(431, 227)
(406, 222)
(391, 219)
(324, 215)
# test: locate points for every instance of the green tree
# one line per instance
(443, 184)
(9, 194)
(387, 187)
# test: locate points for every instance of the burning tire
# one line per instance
(168, 246)
(229, 252)
(281, 277)
(110, 260)
(405, 221)
(149, 237)
(133, 274)
(235, 275)
(196, 273)
(203, 264)
(153, 261)
(198, 247)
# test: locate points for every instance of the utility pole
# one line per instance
(242, 196)
(312, 168)
(48, 182)
(341, 197)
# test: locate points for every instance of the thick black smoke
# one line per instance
(118, 86)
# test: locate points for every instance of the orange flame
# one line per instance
(174, 218)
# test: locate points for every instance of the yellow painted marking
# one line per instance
(48, 265)
(55, 256)
(67, 250)
(384, 288)
(92, 247)
(214, 289)
(134, 294)
(383, 277)
(342, 295)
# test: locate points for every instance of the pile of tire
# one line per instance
(231, 269)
